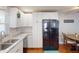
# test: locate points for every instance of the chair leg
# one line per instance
(77, 48)
(65, 43)
(73, 47)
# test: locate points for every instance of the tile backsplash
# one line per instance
(19, 30)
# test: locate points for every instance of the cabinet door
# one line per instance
(25, 42)
(26, 20)
(29, 19)
(13, 16)
(14, 50)
(14, 21)
(29, 41)
(18, 48)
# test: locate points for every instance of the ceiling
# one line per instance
(30, 9)
(26, 9)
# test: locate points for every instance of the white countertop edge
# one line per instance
(19, 37)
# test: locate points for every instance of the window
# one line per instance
(2, 21)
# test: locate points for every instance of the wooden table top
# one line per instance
(73, 37)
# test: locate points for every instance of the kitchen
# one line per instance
(21, 28)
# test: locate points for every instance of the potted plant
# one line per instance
(18, 15)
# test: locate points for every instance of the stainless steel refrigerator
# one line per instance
(50, 34)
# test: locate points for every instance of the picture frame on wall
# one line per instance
(68, 20)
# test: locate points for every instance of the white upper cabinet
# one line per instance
(14, 20)
(39, 16)
(2, 21)
(26, 20)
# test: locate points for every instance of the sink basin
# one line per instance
(11, 41)
(4, 46)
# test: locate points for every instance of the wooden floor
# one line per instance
(33, 50)
(66, 49)
(62, 49)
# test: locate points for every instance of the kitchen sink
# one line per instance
(4, 46)
(11, 41)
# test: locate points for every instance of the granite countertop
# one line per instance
(19, 37)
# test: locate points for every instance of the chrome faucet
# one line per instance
(2, 35)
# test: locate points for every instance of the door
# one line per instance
(50, 34)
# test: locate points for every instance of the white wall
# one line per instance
(68, 27)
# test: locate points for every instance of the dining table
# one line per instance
(73, 37)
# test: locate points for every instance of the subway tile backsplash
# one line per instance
(19, 30)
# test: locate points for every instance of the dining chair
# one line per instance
(77, 43)
(77, 47)
(69, 42)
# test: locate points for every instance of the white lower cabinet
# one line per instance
(25, 42)
(28, 42)
(18, 48)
